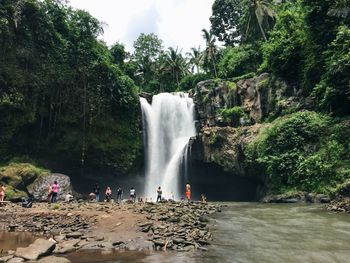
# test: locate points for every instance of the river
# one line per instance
(251, 232)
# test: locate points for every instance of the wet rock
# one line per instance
(40, 247)
(159, 242)
(74, 235)
(67, 246)
(203, 219)
(53, 259)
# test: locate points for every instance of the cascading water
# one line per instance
(168, 124)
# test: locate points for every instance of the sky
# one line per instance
(177, 22)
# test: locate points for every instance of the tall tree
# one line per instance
(148, 48)
(176, 63)
(210, 51)
(258, 16)
(195, 58)
(226, 21)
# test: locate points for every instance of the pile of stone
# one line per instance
(178, 226)
(340, 205)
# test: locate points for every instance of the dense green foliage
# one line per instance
(63, 94)
(304, 151)
(238, 61)
(232, 115)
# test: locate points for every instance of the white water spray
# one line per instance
(168, 124)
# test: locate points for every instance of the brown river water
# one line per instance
(248, 233)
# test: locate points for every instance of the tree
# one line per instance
(258, 15)
(119, 54)
(147, 51)
(210, 51)
(226, 21)
(176, 63)
(341, 9)
(195, 58)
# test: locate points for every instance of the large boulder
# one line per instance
(40, 247)
(38, 189)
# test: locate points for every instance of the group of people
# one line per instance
(95, 194)
(187, 191)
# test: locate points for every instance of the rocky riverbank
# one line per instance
(341, 204)
(69, 227)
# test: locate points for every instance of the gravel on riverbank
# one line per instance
(112, 226)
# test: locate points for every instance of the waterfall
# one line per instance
(168, 124)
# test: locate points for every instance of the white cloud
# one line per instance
(176, 22)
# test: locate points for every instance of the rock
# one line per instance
(15, 260)
(178, 240)
(67, 246)
(53, 259)
(147, 96)
(38, 189)
(74, 235)
(117, 243)
(174, 219)
(40, 247)
(322, 198)
(159, 242)
(203, 219)
(203, 242)
(6, 258)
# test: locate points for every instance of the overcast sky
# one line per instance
(176, 22)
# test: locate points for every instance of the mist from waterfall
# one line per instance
(168, 125)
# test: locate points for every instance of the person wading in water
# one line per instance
(188, 192)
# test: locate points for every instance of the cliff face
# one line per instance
(224, 146)
(221, 140)
(258, 97)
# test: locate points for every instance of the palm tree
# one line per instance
(195, 58)
(175, 63)
(259, 14)
(341, 9)
(211, 50)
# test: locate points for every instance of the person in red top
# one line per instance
(188, 191)
(55, 189)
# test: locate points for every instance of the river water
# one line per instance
(249, 232)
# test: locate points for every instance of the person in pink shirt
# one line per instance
(55, 189)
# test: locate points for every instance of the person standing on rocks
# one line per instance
(188, 191)
(97, 192)
(159, 194)
(2, 192)
(108, 194)
(55, 189)
(132, 194)
(119, 194)
(49, 193)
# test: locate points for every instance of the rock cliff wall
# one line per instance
(221, 140)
